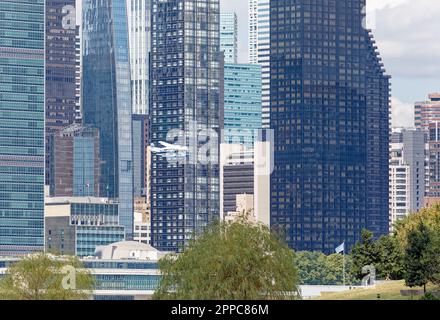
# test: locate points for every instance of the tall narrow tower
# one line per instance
(186, 108)
(259, 49)
(61, 63)
(107, 99)
(22, 126)
(139, 30)
(229, 36)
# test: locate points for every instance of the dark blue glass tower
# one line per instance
(21, 126)
(107, 99)
(330, 113)
(185, 110)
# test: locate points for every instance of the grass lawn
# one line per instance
(389, 290)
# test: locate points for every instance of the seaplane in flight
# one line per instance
(170, 149)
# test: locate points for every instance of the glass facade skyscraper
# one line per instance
(21, 126)
(86, 163)
(330, 113)
(242, 110)
(139, 30)
(186, 108)
(229, 36)
(61, 64)
(259, 49)
(140, 153)
(75, 162)
(107, 99)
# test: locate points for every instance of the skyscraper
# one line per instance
(141, 138)
(22, 126)
(330, 113)
(407, 173)
(107, 99)
(139, 30)
(186, 108)
(433, 188)
(229, 36)
(61, 62)
(427, 112)
(75, 164)
(259, 49)
(427, 119)
(253, 31)
(242, 110)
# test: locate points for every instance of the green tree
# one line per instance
(417, 262)
(433, 256)
(429, 216)
(364, 253)
(390, 261)
(335, 267)
(316, 268)
(230, 261)
(44, 277)
(385, 254)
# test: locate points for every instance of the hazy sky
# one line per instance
(408, 36)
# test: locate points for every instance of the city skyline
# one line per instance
(402, 42)
(406, 34)
(219, 149)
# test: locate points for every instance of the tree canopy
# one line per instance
(44, 277)
(384, 254)
(429, 216)
(416, 259)
(316, 268)
(231, 261)
(422, 255)
(411, 252)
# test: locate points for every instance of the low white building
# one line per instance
(245, 206)
(130, 250)
(142, 228)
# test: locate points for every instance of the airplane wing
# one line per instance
(167, 145)
(157, 150)
(173, 147)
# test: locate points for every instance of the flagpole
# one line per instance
(343, 262)
(338, 250)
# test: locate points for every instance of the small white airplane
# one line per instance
(168, 148)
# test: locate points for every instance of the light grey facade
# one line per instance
(139, 31)
(412, 145)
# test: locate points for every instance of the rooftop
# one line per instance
(70, 200)
(130, 250)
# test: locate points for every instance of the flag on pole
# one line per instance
(341, 248)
